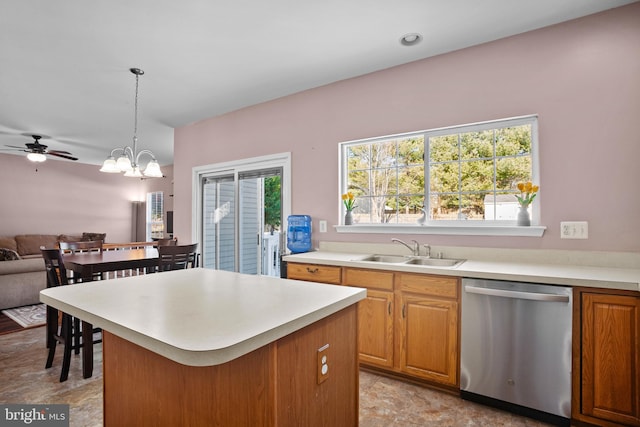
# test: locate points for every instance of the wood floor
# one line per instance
(383, 402)
(8, 325)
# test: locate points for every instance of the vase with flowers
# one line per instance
(349, 201)
(528, 192)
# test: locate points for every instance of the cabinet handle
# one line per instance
(403, 316)
(389, 309)
(312, 270)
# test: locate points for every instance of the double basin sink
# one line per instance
(413, 260)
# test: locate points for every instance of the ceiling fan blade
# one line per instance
(13, 146)
(64, 156)
(58, 152)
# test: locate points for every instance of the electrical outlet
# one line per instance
(574, 230)
(323, 363)
(323, 226)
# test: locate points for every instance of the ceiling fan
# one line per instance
(37, 152)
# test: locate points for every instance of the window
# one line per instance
(155, 215)
(463, 175)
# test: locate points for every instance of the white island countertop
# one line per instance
(201, 317)
(553, 274)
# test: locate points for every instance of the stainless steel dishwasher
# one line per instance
(516, 347)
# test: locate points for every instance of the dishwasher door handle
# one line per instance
(516, 294)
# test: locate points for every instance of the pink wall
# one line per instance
(582, 78)
(70, 198)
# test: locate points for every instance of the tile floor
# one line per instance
(383, 402)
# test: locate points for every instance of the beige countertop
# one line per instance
(201, 317)
(556, 274)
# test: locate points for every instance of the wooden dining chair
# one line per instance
(83, 247)
(61, 327)
(177, 257)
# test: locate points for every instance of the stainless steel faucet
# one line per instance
(415, 249)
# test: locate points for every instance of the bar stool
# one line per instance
(61, 327)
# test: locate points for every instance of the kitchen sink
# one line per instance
(435, 262)
(394, 259)
(416, 260)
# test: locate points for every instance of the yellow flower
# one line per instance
(349, 199)
(527, 193)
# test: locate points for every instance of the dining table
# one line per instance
(85, 265)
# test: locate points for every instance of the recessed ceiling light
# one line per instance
(411, 39)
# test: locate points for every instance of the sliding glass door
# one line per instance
(241, 218)
(219, 223)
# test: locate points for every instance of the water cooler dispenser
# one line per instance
(299, 233)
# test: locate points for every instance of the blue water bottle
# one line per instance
(299, 233)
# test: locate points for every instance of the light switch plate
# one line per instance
(323, 226)
(574, 230)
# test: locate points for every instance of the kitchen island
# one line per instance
(206, 347)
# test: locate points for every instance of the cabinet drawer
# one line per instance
(439, 286)
(314, 273)
(371, 279)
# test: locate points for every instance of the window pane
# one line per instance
(511, 170)
(513, 140)
(411, 151)
(472, 207)
(443, 148)
(446, 206)
(476, 145)
(358, 182)
(444, 177)
(477, 175)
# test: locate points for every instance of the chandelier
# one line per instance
(129, 159)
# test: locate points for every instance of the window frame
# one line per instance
(453, 227)
(149, 222)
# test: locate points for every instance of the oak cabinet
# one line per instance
(315, 273)
(607, 358)
(408, 325)
(428, 327)
(375, 315)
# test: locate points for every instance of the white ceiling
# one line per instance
(64, 65)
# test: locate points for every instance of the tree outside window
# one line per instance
(464, 173)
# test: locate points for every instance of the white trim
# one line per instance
(440, 226)
(455, 230)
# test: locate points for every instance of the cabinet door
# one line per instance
(429, 338)
(375, 315)
(375, 328)
(611, 357)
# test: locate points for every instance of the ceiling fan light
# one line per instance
(134, 172)
(109, 166)
(36, 157)
(153, 169)
(124, 163)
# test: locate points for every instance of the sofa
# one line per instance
(22, 271)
